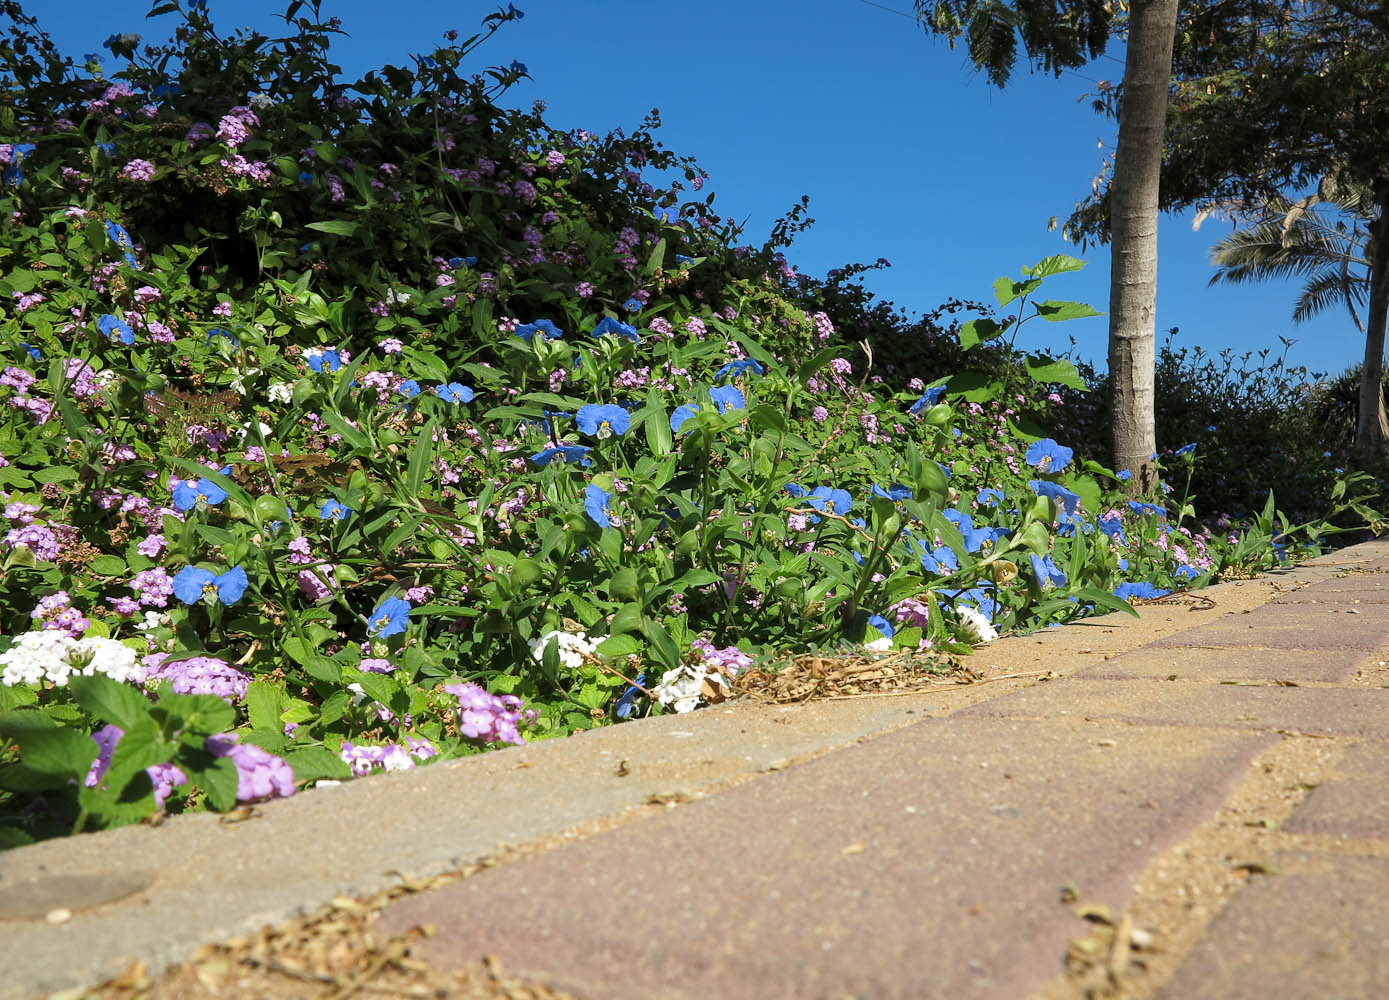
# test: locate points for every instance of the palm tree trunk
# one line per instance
(1369, 426)
(1133, 248)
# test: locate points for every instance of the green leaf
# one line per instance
(976, 331)
(377, 686)
(657, 425)
(314, 763)
(1056, 264)
(662, 645)
(1044, 370)
(627, 619)
(108, 566)
(1006, 289)
(263, 700)
(338, 227)
(1058, 311)
(196, 713)
(55, 474)
(421, 459)
(1104, 599)
(350, 434)
(219, 781)
(617, 646)
(110, 701)
(817, 361)
(56, 751)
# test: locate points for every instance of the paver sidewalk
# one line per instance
(932, 845)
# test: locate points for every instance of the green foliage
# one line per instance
(446, 429)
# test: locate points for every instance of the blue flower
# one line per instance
(728, 397)
(941, 560)
(664, 213)
(930, 397)
(119, 236)
(1124, 476)
(796, 490)
(116, 329)
(217, 331)
(1068, 501)
(1048, 456)
(974, 538)
(1187, 449)
(990, 497)
(603, 420)
(457, 262)
(1142, 590)
(682, 415)
(519, 67)
(528, 330)
(627, 704)
(596, 505)
(681, 258)
(1190, 572)
(34, 352)
(163, 89)
(192, 585)
(882, 625)
(306, 178)
(735, 368)
(894, 492)
(616, 327)
(320, 358)
(409, 388)
(109, 148)
(575, 454)
(826, 497)
(1113, 527)
(632, 305)
(188, 495)
(454, 392)
(1046, 571)
(1069, 523)
(390, 617)
(1139, 507)
(334, 510)
(977, 597)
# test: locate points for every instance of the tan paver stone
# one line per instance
(1299, 666)
(1280, 626)
(927, 862)
(1316, 930)
(1355, 806)
(1357, 712)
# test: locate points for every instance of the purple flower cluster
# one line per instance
(198, 675)
(163, 776)
(490, 718)
(138, 170)
(391, 757)
(259, 775)
(235, 126)
(729, 660)
(58, 615)
(153, 587)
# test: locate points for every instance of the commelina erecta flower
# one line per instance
(575, 454)
(454, 392)
(391, 617)
(116, 329)
(334, 510)
(603, 420)
(1048, 456)
(617, 328)
(597, 505)
(193, 584)
(735, 368)
(528, 330)
(188, 495)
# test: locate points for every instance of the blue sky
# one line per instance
(905, 151)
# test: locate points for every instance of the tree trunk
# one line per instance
(1369, 429)
(1133, 229)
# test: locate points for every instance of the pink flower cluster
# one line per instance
(490, 718)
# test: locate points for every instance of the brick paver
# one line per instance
(1317, 929)
(925, 863)
(1355, 804)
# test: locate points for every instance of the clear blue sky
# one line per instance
(905, 151)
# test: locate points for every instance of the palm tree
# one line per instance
(1286, 239)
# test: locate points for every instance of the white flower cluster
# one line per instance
(281, 392)
(573, 647)
(978, 628)
(55, 656)
(683, 687)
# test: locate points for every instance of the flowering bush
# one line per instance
(349, 426)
